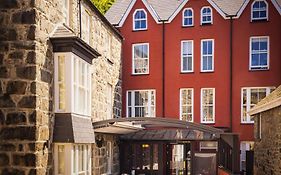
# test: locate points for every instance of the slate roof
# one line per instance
(164, 9)
(269, 102)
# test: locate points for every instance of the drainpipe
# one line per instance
(80, 19)
(230, 70)
(163, 67)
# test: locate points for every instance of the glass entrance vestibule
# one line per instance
(167, 158)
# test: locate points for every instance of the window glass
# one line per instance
(259, 10)
(259, 53)
(188, 17)
(207, 105)
(85, 25)
(186, 105)
(65, 11)
(61, 159)
(207, 55)
(187, 56)
(61, 82)
(141, 103)
(140, 59)
(140, 20)
(206, 15)
(250, 97)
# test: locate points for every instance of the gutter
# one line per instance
(163, 66)
(231, 70)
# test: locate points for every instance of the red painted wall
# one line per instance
(243, 28)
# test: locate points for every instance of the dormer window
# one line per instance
(187, 19)
(140, 20)
(259, 11)
(206, 16)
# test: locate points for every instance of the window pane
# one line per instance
(61, 159)
(210, 47)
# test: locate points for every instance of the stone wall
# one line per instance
(26, 81)
(267, 150)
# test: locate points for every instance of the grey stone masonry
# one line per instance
(267, 150)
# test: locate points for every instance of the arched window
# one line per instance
(206, 15)
(140, 20)
(259, 10)
(187, 18)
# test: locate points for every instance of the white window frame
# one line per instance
(69, 151)
(134, 20)
(248, 101)
(203, 15)
(187, 17)
(192, 103)
(133, 58)
(71, 98)
(65, 11)
(133, 100)
(213, 58)
(192, 56)
(109, 155)
(252, 11)
(109, 101)
(214, 106)
(268, 52)
(85, 26)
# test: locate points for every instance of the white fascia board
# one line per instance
(176, 12)
(214, 5)
(127, 12)
(241, 10)
(152, 11)
(277, 6)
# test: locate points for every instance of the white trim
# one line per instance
(201, 105)
(213, 55)
(192, 55)
(133, 99)
(250, 53)
(134, 20)
(277, 6)
(133, 65)
(201, 16)
(183, 17)
(152, 11)
(192, 103)
(175, 13)
(267, 106)
(248, 102)
(257, 19)
(239, 13)
(214, 5)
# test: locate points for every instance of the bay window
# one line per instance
(141, 103)
(72, 159)
(249, 98)
(72, 84)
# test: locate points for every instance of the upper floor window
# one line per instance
(186, 104)
(141, 103)
(259, 10)
(208, 105)
(259, 53)
(187, 19)
(85, 25)
(141, 58)
(206, 15)
(65, 11)
(140, 20)
(72, 84)
(249, 98)
(207, 55)
(187, 56)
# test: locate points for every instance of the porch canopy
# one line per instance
(156, 129)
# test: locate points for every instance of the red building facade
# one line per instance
(206, 61)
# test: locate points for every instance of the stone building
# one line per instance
(267, 147)
(60, 66)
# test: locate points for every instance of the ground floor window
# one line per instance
(141, 103)
(72, 159)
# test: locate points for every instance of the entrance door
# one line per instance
(180, 159)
